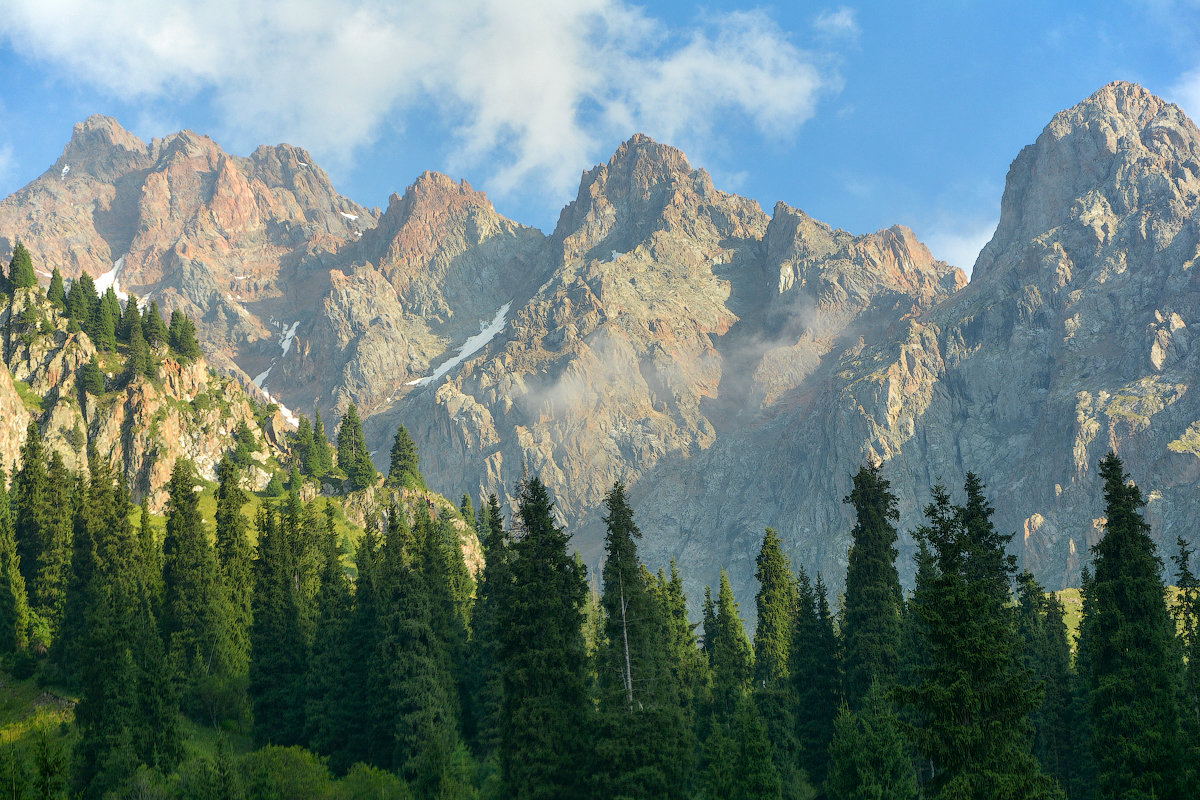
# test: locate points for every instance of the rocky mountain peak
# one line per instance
(100, 147)
(1117, 155)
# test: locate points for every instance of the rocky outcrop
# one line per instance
(141, 427)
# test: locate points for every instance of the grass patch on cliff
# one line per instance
(31, 399)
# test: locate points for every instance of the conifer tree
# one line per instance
(731, 654)
(974, 694)
(644, 739)
(490, 598)
(542, 743)
(278, 653)
(235, 561)
(1127, 641)
(14, 604)
(139, 361)
(871, 627)
(91, 378)
(181, 336)
(82, 299)
(1048, 656)
(56, 294)
(302, 443)
(1185, 610)
(868, 755)
(353, 456)
(153, 328)
(327, 724)
(20, 268)
(405, 468)
(31, 501)
(363, 633)
(814, 677)
(467, 508)
(195, 616)
(320, 458)
(686, 661)
(131, 317)
(778, 603)
(53, 562)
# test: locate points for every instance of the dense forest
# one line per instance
(220, 654)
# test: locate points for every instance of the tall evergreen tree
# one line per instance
(815, 681)
(731, 654)
(360, 700)
(1127, 640)
(14, 604)
(278, 652)
(974, 694)
(20, 268)
(53, 563)
(31, 501)
(1186, 612)
(405, 468)
(778, 604)
(868, 756)
(153, 328)
(235, 562)
(56, 294)
(544, 661)
(82, 299)
(871, 619)
(1048, 656)
(353, 456)
(320, 458)
(327, 724)
(195, 617)
(486, 688)
(644, 740)
(302, 443)
(131, 317)
(181, 336)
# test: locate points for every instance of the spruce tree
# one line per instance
(730, 652)
(353, 456)
(278, 652)
(31, 501)
(235, 561)
(131, 318)
(153, 328)
(56, 294)
(644, 739)
(363, 633)
(405, 465)
(1127, 640)
(815, 679)
(82, 299)
(871, 621)
(466, 507)
(1048, 656)
(778, 603)
(20, 268)
(91, 378)
(53, 562)
(320, 457)
(14, 604)
(302, 443)
(974, 694)
(868, 755)
(181, 336)
(544, 735)
(195, 617)
(1185, 610)
(327, 725)
(490, 599)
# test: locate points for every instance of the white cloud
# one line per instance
(959, 244)
(842, 21)
(531, 85)
(1186, 92)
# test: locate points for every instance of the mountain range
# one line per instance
(733, 367)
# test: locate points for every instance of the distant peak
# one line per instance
(99, 128)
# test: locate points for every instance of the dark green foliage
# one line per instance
(91, 378)
(14, 604)
(195, 612)
(235, 562)
(131, 318)
(82, 300)
(139, 361)
(20, 268)
(1127, 643)
(302, 443)
(485, 676)
(1186, 613)
(153, 328)
(814, 677)
(31, 501)
(320, 457)
(544, 734)
(56, 294)
(101, 325)
(352, 455)
(871, 621)
(405, 465)
(687, 663)
(738, 758)
(327, 722)
(644, 742)
(868, 756)
(974, 694)
(730, 653)
(278, 651)
(48, 594)
(181, 336)
(245, 444)
(1048, 656)
(467, 508)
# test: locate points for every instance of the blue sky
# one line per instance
(862, 114)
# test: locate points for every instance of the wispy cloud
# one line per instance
(958, 242)
(841, 22)
(530, 86)
(1186, 92)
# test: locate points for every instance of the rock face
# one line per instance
(141, 428)
(734, 368)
